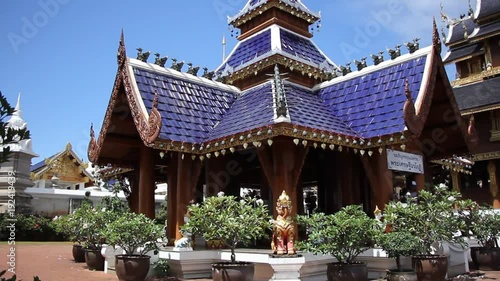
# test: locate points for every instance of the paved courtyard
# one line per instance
(54, 262)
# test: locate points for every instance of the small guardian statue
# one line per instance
(284, 228)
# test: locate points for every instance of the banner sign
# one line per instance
(405, 162)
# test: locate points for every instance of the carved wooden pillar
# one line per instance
(380, 178)
(188, 173)
(492, 171)
(282, 164)
(172, 196)
(146, 182)
(133, 199)
(455, 180)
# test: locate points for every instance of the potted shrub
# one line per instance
(72, 228)
(233, 222)
(137, 235)
(343, 235)
(432, 217)
(399, 244)
(483, 224)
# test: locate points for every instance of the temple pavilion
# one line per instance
(278, 114)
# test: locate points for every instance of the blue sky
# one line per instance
(61, 54)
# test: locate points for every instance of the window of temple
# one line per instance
(495, 125)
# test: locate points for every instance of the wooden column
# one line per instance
(172, 197)
(282, 164)
(146, 182)
(380, 178)
(493, 172)
(133, 200)
(188, 173)
(455, 180)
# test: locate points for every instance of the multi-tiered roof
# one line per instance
(249, 101)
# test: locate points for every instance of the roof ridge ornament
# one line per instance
(413, 46)
(143, 56)
(409, 112)
(151, 128)
(92, 151)
(160, 61)
(121, 56)
(436, 39)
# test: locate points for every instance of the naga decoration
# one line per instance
(284, 228)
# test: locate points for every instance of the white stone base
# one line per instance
(197, 264)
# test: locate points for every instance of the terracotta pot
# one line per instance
(347, 272)
(226, 271)
(94, 259)
(430, 267)
(78, 253)
(486, 259)
(131, 267)
(404, 275)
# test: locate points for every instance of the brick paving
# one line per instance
(53, 261)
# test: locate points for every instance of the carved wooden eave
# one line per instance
(416, 116)
(300, 135)
(148, 125)
(306, 69)
(236, 22)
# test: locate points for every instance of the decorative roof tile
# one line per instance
(486, 29)
(250, 49)
(301, 47)
(308, 110)
(372, 104)
(478, 95)
(459, 29)
(251, 110)
(189, 110)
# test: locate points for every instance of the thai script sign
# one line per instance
(405, 162)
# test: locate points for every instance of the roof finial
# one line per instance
(444, 16)
(471, 11)
(122, 54)
(436, 38)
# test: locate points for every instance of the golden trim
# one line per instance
(486, 156)
(476, 77)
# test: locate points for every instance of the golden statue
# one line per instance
(283, 228)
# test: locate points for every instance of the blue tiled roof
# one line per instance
(308, 110)
(189, 110)
(457, 31)
(250, 49)
(253, 109)
(487, 9)
(372, 104)
(464, 51)
(38, 165)
(301, 47)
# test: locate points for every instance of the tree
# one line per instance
(8, 134)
